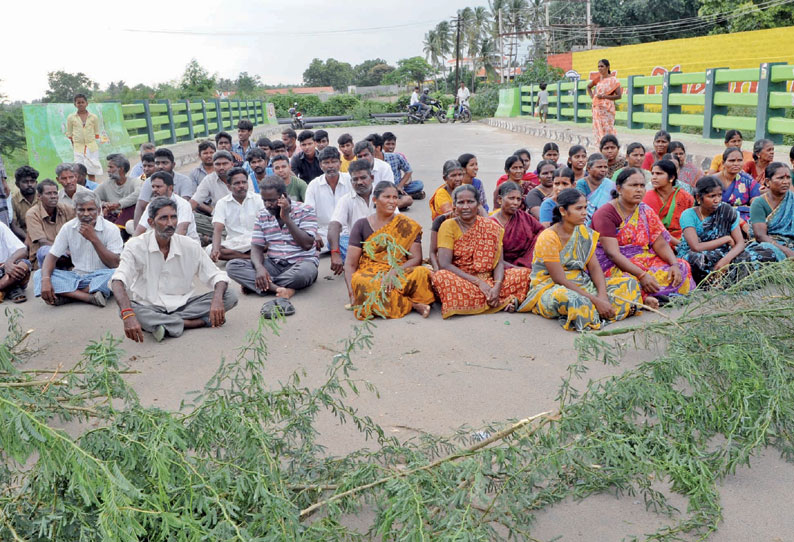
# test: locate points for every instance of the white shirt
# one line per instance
(153, 280)
(239, 219)
(463, 96)
(63, 198)
(9, 243)
(84, 256)
(351, 208)
(184, 213)
(324, 200)
(414, 98)
(212, 188)
(183, 186)
(382, 172)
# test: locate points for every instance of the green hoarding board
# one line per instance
(45, 132)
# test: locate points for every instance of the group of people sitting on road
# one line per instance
(588, 242)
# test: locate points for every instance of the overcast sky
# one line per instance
(111, 41)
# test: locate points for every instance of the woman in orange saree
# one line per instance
(604, 91)
(472, 278)
(379, 244)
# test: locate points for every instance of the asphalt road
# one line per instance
(432, 375)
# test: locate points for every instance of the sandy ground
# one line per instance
(433, 375)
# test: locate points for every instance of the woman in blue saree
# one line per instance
(772, 214)
(596, 186)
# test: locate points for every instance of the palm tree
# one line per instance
(478, 21)
(430, 48)
(517, 20)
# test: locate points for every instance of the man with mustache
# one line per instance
(94, 244)
(325, 191)
(119, 194)
(26, 180)
(153, 284)
(44, 220)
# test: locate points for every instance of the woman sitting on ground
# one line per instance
(567, 281)
(610, 148)
(635, 155)
(733, 138)
(374, 285)
(473, 278)
(441, 201)
(521, 228)
(577, 161)
(551, 152)
(713, 239)
(668, 199)
(738, 187)
(661, 144)
(563, 178)
(688, 173)
(763, 155)
(596, 185)
(514, 172)
(470, 169)
(772, 215)
(633, 241)
(533, 200)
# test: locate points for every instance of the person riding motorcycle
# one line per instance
(462, 98)
(421, 103)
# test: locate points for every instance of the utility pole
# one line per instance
(589, 28)
(457, 55)
(501, 51)
(548, 30)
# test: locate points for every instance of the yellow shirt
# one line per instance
(345, 164)
(716, 163)
(84, 138)
(438, 202)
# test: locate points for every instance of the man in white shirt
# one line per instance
(14, 267)
(462, 98)
(157, 269)
(236, 214)
(163, 186)
(212, 188)
(64, 174)
(94, 244)
(183, 185)
(381, 171)
(324, 192)
(353, 206)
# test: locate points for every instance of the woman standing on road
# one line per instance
(604, 90)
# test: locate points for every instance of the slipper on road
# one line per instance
(277, 306)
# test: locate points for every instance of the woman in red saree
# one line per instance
(604, 91)
(472, 278)
(521, 228)
(668, 198)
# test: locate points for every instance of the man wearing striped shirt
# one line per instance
(283, 254)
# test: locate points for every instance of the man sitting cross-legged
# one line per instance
(163, 186)
(157, 269)
(235, 212)
(94, 244)
(283, 255)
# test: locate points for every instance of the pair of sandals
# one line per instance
(276, 308)
(14, 295)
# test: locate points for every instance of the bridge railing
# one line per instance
(171, 121)
(677, 101)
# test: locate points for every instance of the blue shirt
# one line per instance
(135, 172)
(91, 185)
(547, 209)
(399, 165)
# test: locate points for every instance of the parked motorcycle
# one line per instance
(462, 113)
(297, 117)
(435, 110)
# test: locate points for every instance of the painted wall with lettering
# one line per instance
(738, 50)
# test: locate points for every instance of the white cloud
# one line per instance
(276, 41)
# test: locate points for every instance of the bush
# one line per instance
(485, 102)
(363, 110)
(401, 104)
(308, 104)
(340, 104)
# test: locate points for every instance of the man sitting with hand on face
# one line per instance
(163, 186)
(283, 254)
(94, 244)
(236, 213)
(158, 269)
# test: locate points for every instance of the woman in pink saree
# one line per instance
(604, 91)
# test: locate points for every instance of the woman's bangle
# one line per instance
(336, 251)
(642, 275)
(497, 282)
(130, 315)
(126, 310)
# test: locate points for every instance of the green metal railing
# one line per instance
(167, 121)
(659, 100)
